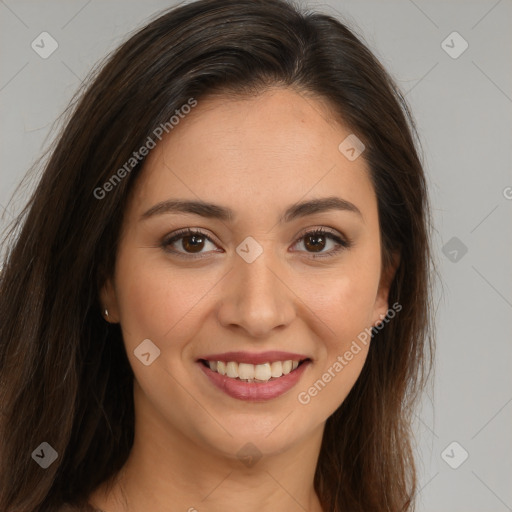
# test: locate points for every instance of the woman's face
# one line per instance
(255, 287)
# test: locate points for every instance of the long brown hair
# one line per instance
(64, 375)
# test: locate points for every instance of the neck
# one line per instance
(167, 470)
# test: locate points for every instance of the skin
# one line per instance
(257, 156)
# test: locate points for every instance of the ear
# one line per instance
(381, 302)
(108, 300)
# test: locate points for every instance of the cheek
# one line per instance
(155, 302)
(342, 350)
(346, 303)
(347, 311)
(162, 306)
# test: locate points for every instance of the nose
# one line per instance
(256, 299)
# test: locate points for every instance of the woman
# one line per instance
(218, 295)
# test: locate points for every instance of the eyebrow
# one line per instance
(214, 211)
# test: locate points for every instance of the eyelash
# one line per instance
(342, 243)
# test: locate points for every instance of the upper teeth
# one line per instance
(250, 372)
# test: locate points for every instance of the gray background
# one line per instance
(463, 109)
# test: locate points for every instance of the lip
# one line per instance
(255, 392)
(254, 358)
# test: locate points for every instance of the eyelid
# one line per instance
(193, 231)
(323, 229)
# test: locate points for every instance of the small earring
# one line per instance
(106, 313)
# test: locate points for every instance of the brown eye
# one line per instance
(188, 242)
(193, 243)
(315, 243)
(318, 240)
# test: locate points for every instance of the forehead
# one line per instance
(274, 148)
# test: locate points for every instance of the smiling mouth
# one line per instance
(246, 372)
